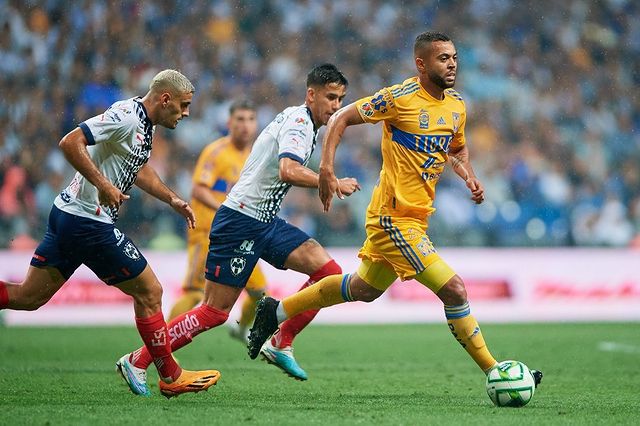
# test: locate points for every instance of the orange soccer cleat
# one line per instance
(190, 381)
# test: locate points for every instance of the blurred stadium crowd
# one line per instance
(551, 92)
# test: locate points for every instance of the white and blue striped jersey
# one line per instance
(259, 191)
(119, 145)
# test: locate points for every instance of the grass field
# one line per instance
(400, 374)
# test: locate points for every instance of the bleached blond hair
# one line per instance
(171, 80)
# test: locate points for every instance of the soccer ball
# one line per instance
(510, 384)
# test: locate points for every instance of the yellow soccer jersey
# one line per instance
(418, 131)
(218, 168)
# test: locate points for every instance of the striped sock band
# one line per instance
(457, 311)
(346, 288)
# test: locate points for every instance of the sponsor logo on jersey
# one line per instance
(423, 119)
(456, 121)
(245, 247)
(441, 121)
(301, 120)
(237, 265)
(64, 196)
(119, 236)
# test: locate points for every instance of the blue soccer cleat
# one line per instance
(136, 378)
(284, 360)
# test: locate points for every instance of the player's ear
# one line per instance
(311, 92)
(165, 98)
(420, 65)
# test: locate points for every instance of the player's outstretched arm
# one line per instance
(328, 183)
(74, 146)
(461, 164)
(149, 181)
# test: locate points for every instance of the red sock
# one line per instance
(153, 331)
(182, 330)
(293, 326)
(4, 295)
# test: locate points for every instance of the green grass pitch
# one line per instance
(375, 374)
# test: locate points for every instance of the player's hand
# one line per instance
(110, 196)
(327, 186)
(348, 186)
(477, 190)
(185, 210)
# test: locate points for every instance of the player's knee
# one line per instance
(256, 294)
(362, 291)
(453, 292)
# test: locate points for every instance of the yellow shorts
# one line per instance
(197, 249)
(400, 247)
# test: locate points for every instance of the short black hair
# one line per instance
(326, 74)
(241, 103)
(428, 37)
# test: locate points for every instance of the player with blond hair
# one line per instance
(110, 153)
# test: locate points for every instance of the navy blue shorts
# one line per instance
(74, 240)
(237, 241)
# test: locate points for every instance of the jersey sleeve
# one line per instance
(114, 124)
(458, 125)
(206, 172)
(292, 139)
(380, 106)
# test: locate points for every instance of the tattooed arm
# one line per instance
(459, 160)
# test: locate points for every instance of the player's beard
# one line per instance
(439, 81)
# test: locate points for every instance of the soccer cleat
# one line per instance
(537, 377)
(238, 333)
(190, 381)
(136, 378)
(265, 324)
(284, 360)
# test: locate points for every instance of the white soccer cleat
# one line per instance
(283, 359)
(136, 378)
(239, 333)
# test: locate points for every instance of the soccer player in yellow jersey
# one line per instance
(217, 170)
(423, 129)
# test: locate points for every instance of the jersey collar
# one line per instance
(147, 120)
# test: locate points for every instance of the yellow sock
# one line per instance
(329, 291)
(248, 311)
(466, 330)
(185, 303)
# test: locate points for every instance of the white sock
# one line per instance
(281, 315)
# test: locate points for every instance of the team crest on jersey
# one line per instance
(131, 251)
(456, 121)
(366, 109)
(423, 119)
(425, 246)
(64, 195)
(237, 265)
(379, 103)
